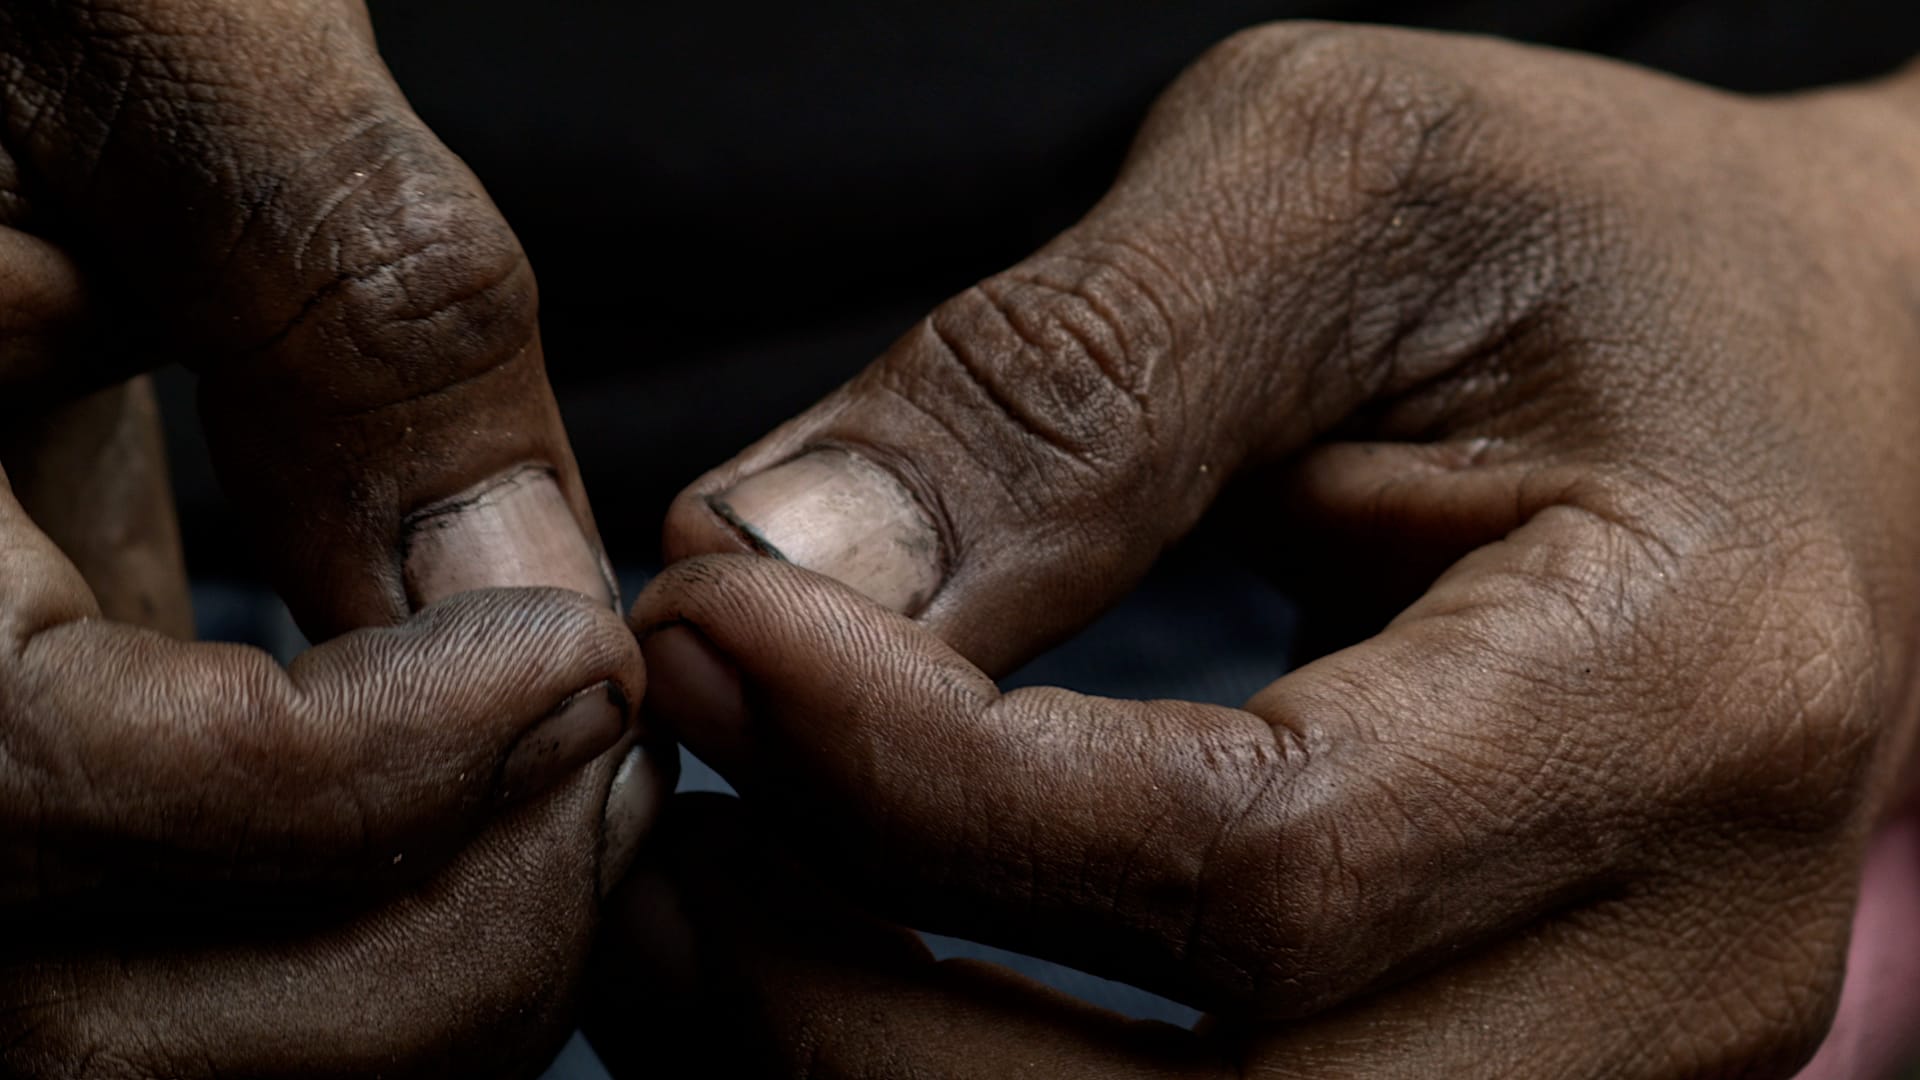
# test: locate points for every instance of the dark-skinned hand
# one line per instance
(1620, 370)
(387, 858)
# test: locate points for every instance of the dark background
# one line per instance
(732, 207)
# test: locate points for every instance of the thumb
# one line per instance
(250, 178)
(1280, 249)
(1000, 473)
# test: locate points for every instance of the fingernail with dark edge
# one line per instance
(585, 726)
(695, 693)
(836, 513)
(516, 530)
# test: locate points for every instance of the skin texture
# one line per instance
(92, 475)
(1616, 371)
(386, 859)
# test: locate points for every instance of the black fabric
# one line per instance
(733, 206)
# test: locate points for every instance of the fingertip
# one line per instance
(697, 694)
(526, 686)
(525, 638)
(581, 728)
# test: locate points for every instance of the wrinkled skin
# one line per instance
(1621, 371)
(371, 862)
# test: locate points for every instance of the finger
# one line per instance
(93, 476)
(472, 973)
(700, 971)
(44, 309)
(699, 974)
(1696, 981)
(364, 321)
(1365, 818)
(1278, 251)
(128, 753)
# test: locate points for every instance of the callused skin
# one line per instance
(1640, 360)
(387, 859)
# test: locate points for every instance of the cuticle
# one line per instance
(472, 497)
(747, 533)
(440, 513)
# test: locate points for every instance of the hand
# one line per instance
(387, 858)
(1627, 366)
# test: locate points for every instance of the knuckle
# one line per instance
(1045, 386)
(1055, 366)
(329, 244)
(1277, 888)
(391, 274)
(1409, 182)
(1058, 358)
(1043, 381)
(1364, 116)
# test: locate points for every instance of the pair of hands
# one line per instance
(1624, 363)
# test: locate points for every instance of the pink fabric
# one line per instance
(1878, 1028)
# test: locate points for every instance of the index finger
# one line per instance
(128, 757)
(1500, 751)
(702, 973)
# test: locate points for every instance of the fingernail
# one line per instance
(513, 531)
(581, 729)
(640, 787)
(694, 694)
(838, 514)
